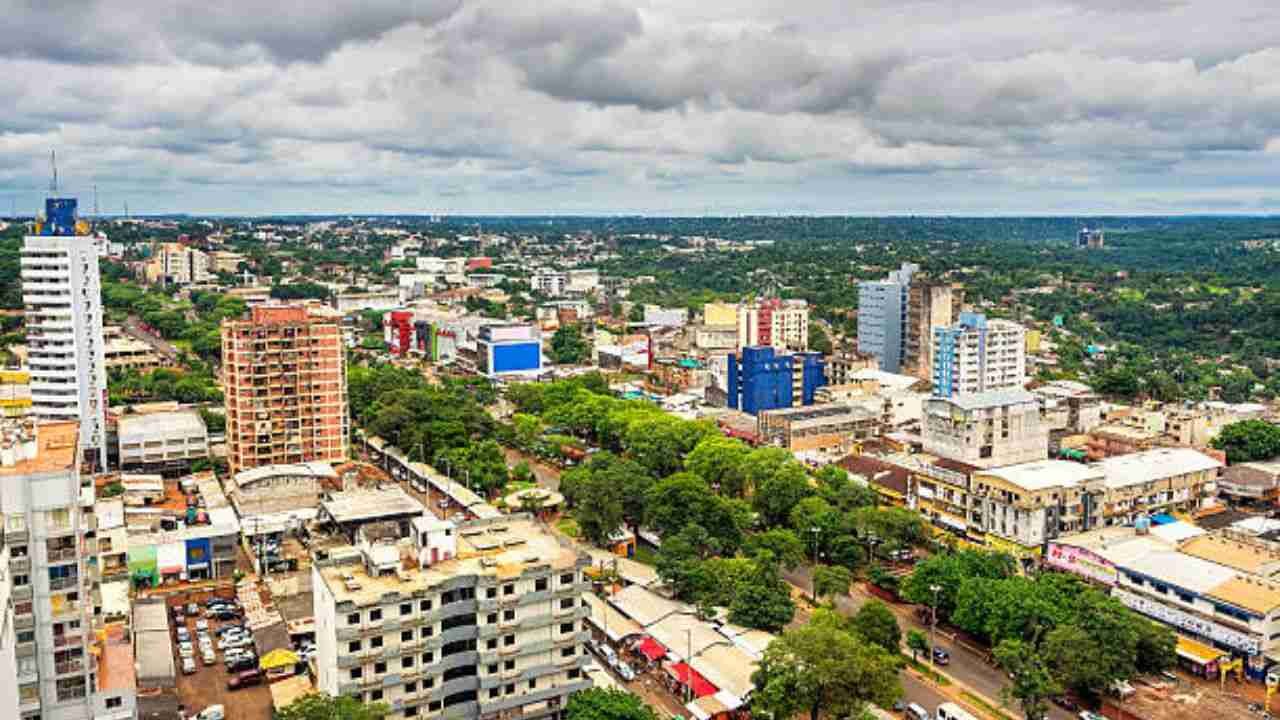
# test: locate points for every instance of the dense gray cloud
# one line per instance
(983, 106)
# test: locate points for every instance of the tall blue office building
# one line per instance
(759, 379)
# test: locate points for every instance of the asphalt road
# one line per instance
(966, 666)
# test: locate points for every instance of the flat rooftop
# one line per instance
(185, 422)
(359, 505)
(1150, 465)
(1254, 594)
(28, 447)
(1249, 555)
(502, 549)
(1045, 474)
(115, 664)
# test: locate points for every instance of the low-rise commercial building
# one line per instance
(833, 426)
(1251, 483)
(161, 441)
(1028, 504)
(1163, 480)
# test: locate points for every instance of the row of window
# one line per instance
(407, 608)
(456, 698)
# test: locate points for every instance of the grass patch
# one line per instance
(924, 669)
(646, 555)
(986, 706)
(568, 526)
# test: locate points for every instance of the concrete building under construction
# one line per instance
(286, 387)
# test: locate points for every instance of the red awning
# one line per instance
(686, 675)
(651, 649)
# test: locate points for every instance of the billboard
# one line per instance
(516, 357)
(1250, 644)
(1082, 562)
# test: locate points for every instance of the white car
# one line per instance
(213, 712)
(208, 656)
(185, 649)
(202, 626)
(188, 666)
(625, 671)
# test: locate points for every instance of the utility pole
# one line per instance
(813, 572)
(933, 624)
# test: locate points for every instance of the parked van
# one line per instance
(952, 711)
(915, 711)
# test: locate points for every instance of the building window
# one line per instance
(427, 631)
(508, 640)
(540, 584)
(424, 606)
(491, 592)
(493, 692)
(406, 662)
(356, 673)
(375, 696)
(533, 683)
(406, 608)
(375, 642)
(574, 674)
(379, 668)
(566, 579)
(375, 615)
(493, 668)
(566, 603)
(491, 644)
(509, 665)
(508, 614)
(426, 658)
(411, 686)
(566, 652)
(406, 636)
(509, 589)
(353, 646)
(353, 619)
(492, 618)
(114, 702)
(510, 689)
(566, 627)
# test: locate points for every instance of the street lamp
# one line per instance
(933, 624)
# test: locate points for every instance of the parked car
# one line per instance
(245, 679)
(202, 625)
(213, 712)
(941, 657)
(192, 608)
(188, 666)
(208, 657)
(1065, 702)
(625, 671)
(183, 634)
(242, 663)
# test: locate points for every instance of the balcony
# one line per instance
(19, 564)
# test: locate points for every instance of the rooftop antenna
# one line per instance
(53, 163)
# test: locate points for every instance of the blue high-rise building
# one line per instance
(760, 379)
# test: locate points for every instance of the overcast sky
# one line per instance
(658, 107)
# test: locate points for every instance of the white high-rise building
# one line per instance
(45, 526)
(8, 637)
(62, 296)
(979, 355)
(882, 317)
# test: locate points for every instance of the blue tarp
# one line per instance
(1163, 519)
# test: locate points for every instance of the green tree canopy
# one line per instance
(320, 706)
(1249, 440)
(876, 623)
(607, 704)
(822, 669)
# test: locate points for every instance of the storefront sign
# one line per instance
(1082, 562)
(1179, 619)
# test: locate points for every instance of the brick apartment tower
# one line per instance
(286, 387)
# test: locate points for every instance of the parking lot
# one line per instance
(208, 685)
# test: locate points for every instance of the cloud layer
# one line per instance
(986, 106)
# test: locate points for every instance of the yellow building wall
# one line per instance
(720, 314)
(1033, 341)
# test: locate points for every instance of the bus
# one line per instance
(952, 711)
